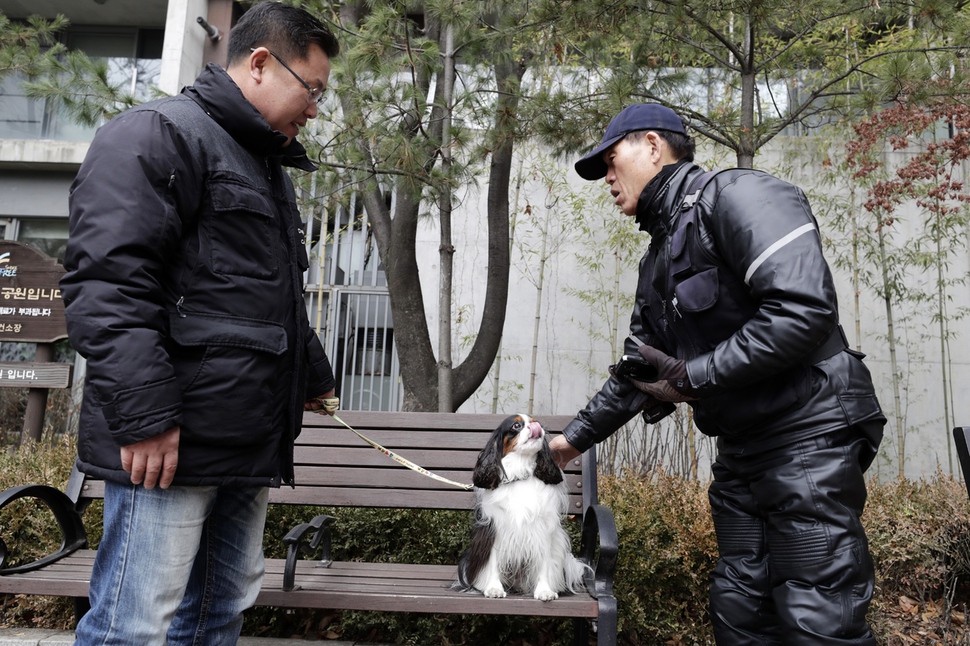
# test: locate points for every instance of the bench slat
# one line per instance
(391, 475)
(447, 498)
(402, 587)
(365, 455)
(396, 498)
(340, 436)
(354, 497)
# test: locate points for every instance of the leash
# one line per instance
(397, 458)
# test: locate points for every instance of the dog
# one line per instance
(518, 541)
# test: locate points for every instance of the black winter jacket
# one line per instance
(184, 289)
(740, 291)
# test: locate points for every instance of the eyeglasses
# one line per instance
(314, 95)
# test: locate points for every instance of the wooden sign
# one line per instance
(35, 375)
(31, 309)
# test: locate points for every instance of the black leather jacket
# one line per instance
(738, 287)
(184, 289)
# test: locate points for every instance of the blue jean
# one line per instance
(175, 566)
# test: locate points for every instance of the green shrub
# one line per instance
(667, 550)
(919, 537)
(13, 406)
(29, 529)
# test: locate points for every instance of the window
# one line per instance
(134, 64)
(48, 235)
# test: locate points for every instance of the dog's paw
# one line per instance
(494, 592)
(545, 593)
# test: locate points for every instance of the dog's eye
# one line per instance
(517, 425)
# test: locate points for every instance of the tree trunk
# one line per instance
(747, 145)
(538, 314)
(468, 376)
(446, 250)
(891, 334)
(396, 237)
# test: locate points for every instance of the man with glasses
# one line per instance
(184, 293)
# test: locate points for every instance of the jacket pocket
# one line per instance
(859, 407)
(244, 232)
(699, 292)
(140, 407)
(229, 371)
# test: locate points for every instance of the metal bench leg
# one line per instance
(961, 437)
(81, 606)
(607, 622)
(580, 632)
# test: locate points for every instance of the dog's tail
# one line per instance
(476, 556)
(575, 572)
(463, 583)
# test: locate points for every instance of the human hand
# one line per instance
(673, 384)
(325, 402)
(154, 460)
(562, 451)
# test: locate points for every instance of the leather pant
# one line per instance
(794, 564)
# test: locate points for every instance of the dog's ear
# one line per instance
(546, 468)
(488, 468)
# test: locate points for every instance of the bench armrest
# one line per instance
(599, 534)
(297, 545)
(73, 536)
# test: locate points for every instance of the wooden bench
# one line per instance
(335, 468)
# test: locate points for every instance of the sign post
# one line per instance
(31, 311)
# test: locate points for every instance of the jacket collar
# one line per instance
(662, 196)
(222, 100)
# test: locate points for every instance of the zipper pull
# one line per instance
(178, 306)
(673, 304)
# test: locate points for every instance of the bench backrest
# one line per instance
(335, 468)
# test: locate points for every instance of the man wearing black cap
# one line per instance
(736, 312)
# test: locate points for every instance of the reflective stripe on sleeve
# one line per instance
(767, 253)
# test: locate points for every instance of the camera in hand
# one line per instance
(635, 368)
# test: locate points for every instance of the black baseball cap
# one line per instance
(639, 116)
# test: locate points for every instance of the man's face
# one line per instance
(282, 98)
(630, 164)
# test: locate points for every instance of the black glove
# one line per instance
(672, 383)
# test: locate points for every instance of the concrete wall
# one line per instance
(184, 44)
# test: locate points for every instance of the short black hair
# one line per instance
(286, 30)
(682, 146)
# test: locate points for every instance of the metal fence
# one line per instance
(350, 309)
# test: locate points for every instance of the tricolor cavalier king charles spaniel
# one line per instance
(518, 541)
